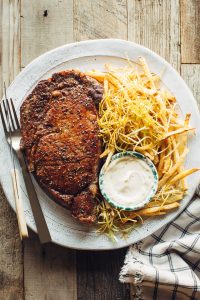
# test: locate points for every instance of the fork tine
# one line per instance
(3, 121)
(15, 114)
(7, 119)
(10, 114)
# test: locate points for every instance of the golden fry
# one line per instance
(187, 119)
(105, 85)
(156, 159)
(146, 70)
(100, 76)
(146, 211)
(108, 159)
(178, 131)
(105, 153)
(183, 174)
(174, 198)
(161, 162)
(170, 206)
(156, 214)
(167, 161)
(114, 81)
(173, 170)
(143, 148)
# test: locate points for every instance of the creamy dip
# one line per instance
(128, 181)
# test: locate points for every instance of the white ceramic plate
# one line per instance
(86, 56)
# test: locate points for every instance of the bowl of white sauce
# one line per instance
(129, 181)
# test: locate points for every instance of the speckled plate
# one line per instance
(88, 55)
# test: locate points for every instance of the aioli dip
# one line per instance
(128, 182)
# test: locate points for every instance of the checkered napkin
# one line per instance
(166, 265)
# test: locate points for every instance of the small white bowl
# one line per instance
(153, 190)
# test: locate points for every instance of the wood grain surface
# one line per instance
(49, 271)
(191, 74)
(100, 19)
(97, 276)
(11, 250)
(44, 25)
(29, 28)
(190, 28)
(155, 24)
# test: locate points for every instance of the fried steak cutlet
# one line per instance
(60, 139)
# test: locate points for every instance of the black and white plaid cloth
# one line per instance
(166, 265)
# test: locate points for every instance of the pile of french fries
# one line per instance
(137, 114)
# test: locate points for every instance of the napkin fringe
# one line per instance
(137, 275)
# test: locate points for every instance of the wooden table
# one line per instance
(28, 28)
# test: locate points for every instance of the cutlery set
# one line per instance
(11, 127)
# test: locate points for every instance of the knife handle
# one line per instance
(41, 225)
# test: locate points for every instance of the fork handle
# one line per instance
(19, 205)
(40, 222)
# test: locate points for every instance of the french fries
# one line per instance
(172, 170)
(178, 131)
(137, 114)
(100, 76)
(182, 175)
(156, 209)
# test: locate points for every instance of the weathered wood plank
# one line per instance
(11, 255)
(100, 19)
(190, 28)
(9, 41)
(97, 272)
(98, 276)
(45, 25)
(155, 24)
(191, 74)
(49, 271)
